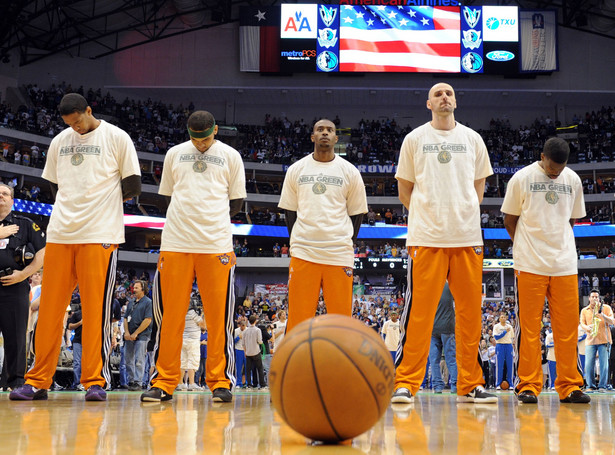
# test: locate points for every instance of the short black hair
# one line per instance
(557, 150)
(72, 102)
(201, 121)
(597, 291)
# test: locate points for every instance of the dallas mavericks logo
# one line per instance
(471, 39)
(326, 61)
(327, 38)
(472, 62)
(327, 14)
(471, 15)
(551, 197)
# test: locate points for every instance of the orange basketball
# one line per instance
(331, 378)
(504, 385)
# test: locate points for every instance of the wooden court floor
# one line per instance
(193, 424)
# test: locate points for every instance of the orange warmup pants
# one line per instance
(215, 274)
(562, 293)
(428, 270)
(93, 266)
(305, 279)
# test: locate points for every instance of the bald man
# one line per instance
(441, 178)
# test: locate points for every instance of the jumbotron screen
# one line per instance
(406, 38)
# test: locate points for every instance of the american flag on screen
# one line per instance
(400, 38)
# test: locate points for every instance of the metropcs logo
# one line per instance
(299, 21)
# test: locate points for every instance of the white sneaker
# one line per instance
(181, 387)
(402, 395)
(195, 388)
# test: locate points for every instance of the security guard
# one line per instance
(22, 249)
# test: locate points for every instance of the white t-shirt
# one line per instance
(88, 169)
(498, 329)
(544, 241)
(325, 196)
(390, 330)
(201, 186)
(550, 350)
(192, 330)
(239, 333)
(443, 165)
(278, 331)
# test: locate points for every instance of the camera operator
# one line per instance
(22, 248)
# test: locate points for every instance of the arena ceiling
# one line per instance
(38, 29)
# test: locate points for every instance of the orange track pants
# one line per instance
(305, 279)
(428, 270)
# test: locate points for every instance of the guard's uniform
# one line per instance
(325, 195)
(86, 226)
(444, 242)
(546, 266)
(197, 241)
(15, 299)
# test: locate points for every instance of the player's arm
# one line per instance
(510, 223)
(404, 189)
(131, 187)
(235, 206)
(479, 186)
(291, 218)
(54, 190)
(356, 225)
(572, 221)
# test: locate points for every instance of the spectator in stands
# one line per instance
(542, 202)
(206, 182)
(137, 332)
(443, 243)
(322, 254)
(443, 342)
(84, 231)
(191, 349)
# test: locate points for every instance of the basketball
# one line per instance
(504, 385)
(331, 378)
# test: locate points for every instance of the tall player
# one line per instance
(541, 204)
(92, 166)
(442, 170)
(205, 179)
(324, 198)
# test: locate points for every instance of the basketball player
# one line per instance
(503, 334)
(92, 167)
(541, 204)
(441, 176)
(324, 198)
(206, 182)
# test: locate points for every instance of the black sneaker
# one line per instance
(576, 396)
(402, 395)
(134, 386)
(527, 396)
(155, 394)
(478, 395)
(222, 394)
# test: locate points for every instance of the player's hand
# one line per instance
(8, 230)
(16, 277)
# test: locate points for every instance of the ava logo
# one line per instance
(492, 23)
(472, 16)
(500, 56)
(328, 15)
(327, 37)
(326, 61)
(472, 62)
(298, 21)
(471, 39)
